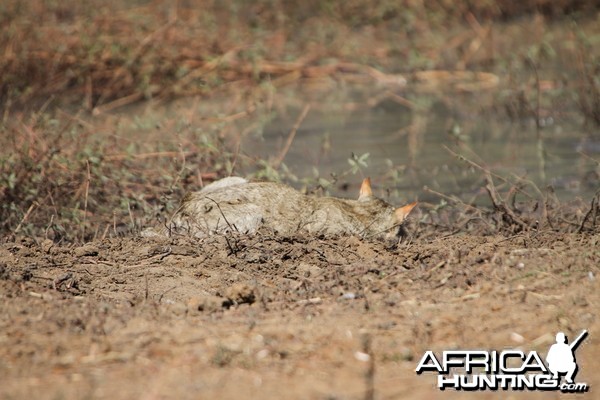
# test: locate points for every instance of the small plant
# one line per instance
(357, 163)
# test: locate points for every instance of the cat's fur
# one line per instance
(236, 205)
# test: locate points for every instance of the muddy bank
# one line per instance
(271, 317)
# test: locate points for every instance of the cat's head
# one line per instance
(386, 225)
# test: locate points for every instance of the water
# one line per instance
(412, 143)
(414, 146)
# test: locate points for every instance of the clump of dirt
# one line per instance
(272, 317)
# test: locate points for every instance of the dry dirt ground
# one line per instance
(262, 317)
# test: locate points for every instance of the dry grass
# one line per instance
(105, 55)
(63, 181)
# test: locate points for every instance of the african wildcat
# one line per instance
(236, 205)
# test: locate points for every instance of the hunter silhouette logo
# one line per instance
(561, 356)
(508, 369)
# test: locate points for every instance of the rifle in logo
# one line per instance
(578, 340)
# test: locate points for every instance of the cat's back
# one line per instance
(240, 206)
(264, 194)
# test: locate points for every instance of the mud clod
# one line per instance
(87, 250)
(240, 293)
(207, 304)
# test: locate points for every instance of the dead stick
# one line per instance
(143, 156)
(370, 372)
(453, 199)
(592, 208)
(291, 136)
(589, 158)
(486, 170)
(85, 200)
(123, 101)
(499, 205)
(543, 199)
(29, 211)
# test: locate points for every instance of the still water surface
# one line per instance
(415, 143)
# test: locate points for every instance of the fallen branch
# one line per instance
(500, 206)
(593, 209)
(291, 136)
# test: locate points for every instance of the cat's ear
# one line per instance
(365, 190)
(402, 212)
